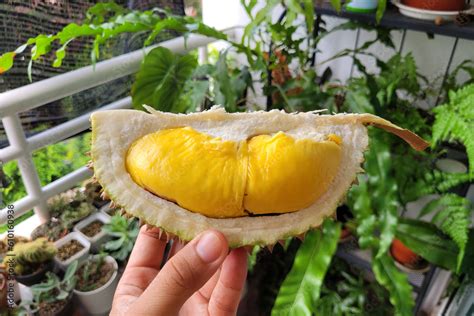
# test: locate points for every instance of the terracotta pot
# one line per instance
(408, 260)
(437, 5)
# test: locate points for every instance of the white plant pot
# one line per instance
(363, 5)
(97, 240)
(104, 209)
(99, 301)
(79, 256)
(451, 166)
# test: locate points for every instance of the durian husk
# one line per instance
(114, 131)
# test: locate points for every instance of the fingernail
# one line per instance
(209, 247)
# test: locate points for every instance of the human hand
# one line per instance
(200, 278)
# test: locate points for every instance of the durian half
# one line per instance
(115, 133)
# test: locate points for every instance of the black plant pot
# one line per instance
(36, 277)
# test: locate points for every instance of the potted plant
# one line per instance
(31, 260)
(96, 283)
(437, 5)
(53, 230)
(406, 259)
(92, 229)
(74, 246)
(66, 209)
(52, 297)
(123, 232)
(6, 243)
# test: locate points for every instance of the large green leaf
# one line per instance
(161, 79)
(301, 288)
(395, 282)
(429, 242)
(6, 61)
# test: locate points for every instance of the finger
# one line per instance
(148, 249)
(184, 274)
(226, 296)
(142, 268)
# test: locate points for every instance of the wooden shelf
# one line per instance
(393, 19)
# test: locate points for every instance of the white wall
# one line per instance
(431, 55)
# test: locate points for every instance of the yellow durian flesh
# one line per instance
(287, 175)
(222, 179)
(201, 173)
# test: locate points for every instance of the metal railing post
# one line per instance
(16, 137)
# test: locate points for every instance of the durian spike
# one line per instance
(112, 205)
(248, 249)
(88, 153)
(122, 212)
(141, 222)
(301, 236)
(356, 181)
(168, 236)
(90, 165)
(270, 248)
(282, 243)
(94, 180)
(148, 226)
(104, 196)
(160, 233)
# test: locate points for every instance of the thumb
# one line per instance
(184, 274)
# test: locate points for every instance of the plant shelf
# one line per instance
(394, 19)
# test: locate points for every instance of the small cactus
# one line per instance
(29, 256)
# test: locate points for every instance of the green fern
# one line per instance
(453, 218)
(443, 181)
(454, 121)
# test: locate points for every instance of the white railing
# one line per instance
(45, 91)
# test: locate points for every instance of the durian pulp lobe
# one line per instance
(286, 175)
(200, 173)
(218, 178)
